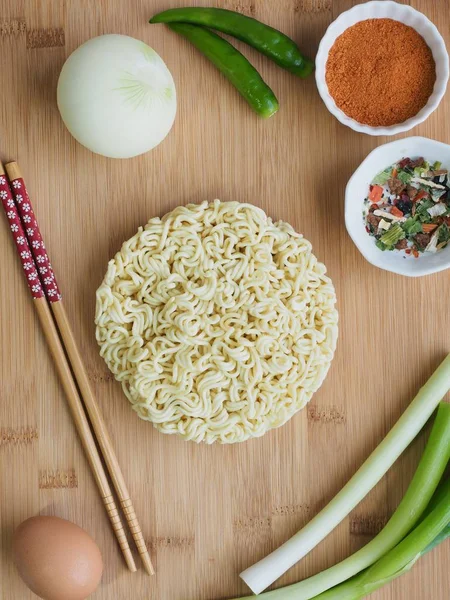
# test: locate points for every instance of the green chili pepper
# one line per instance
(271, 42)
(233, 65)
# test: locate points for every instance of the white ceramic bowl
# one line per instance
(399, 12)
(356, 192)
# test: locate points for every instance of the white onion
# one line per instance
(117, 96)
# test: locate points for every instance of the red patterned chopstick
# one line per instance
(36, 243)
(20, 238)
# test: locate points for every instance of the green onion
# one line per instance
(445, 533)
(443, 491)
(421, 489)
(404, 176)
(422, 170)
(440, 493)
(393, 235)
(432, 530)
(267, 570)
(380, 245)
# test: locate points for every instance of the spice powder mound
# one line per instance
(380, 72)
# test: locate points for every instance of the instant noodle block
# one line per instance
(219, 323)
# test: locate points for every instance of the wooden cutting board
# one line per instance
(207, 512)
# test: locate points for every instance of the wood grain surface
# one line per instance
(207, 512)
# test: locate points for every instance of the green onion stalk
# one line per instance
(421, 489)
(430, 532)
(442, 492)
(267, 570)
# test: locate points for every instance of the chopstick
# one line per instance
(51, 334)
(53, 294)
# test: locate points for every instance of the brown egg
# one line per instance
(57, 559)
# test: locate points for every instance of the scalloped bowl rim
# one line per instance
(388, 9)
(357, 186)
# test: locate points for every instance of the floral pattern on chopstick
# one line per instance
(35, 240)
(24, 251)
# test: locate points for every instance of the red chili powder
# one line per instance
(380, 72)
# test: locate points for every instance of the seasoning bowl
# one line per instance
(384, 9)
(356, 192)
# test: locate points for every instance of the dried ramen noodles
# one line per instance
(219, 323)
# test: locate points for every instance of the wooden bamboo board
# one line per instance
(207, 512)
